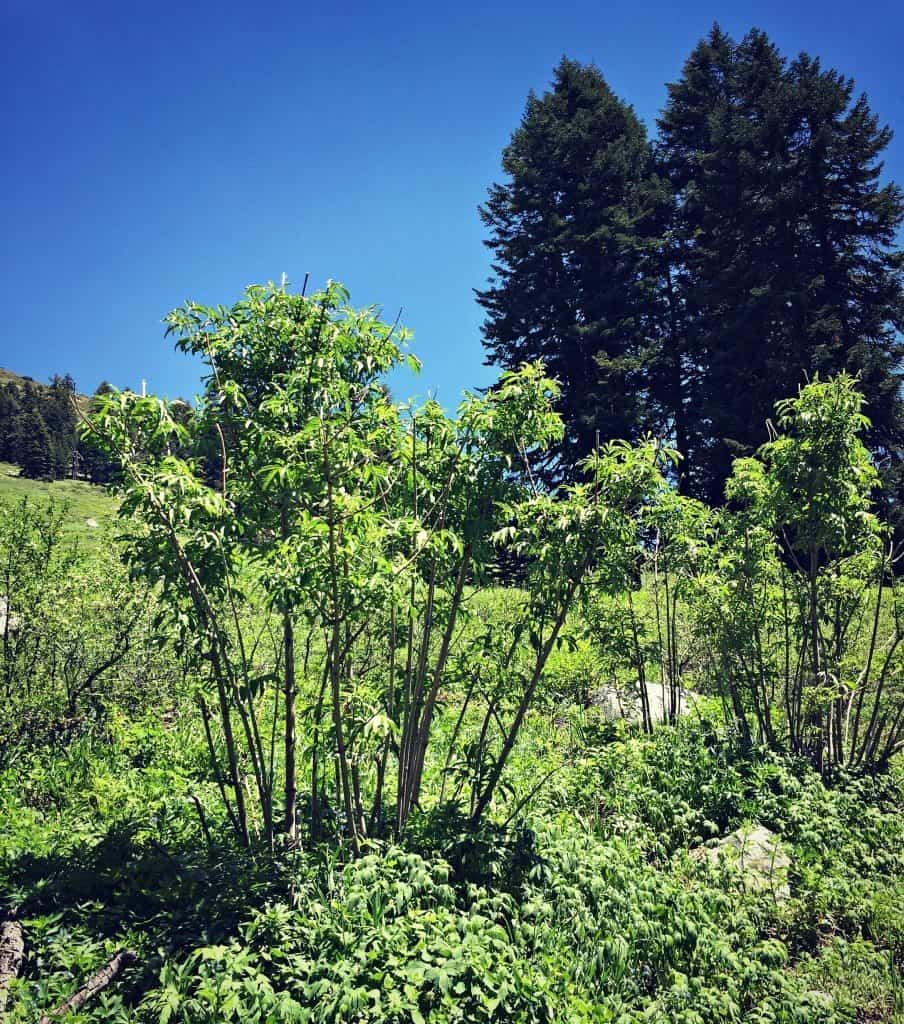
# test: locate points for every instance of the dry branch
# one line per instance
(95, 984)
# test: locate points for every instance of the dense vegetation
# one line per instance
(344, 709)
(323, 735)
(38, 426)
(39, 430)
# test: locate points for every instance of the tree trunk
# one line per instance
(290, 823)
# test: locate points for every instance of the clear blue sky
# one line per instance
(154, 152)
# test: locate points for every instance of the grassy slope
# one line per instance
(8, 377)
(85, 501)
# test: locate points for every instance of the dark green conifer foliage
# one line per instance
(10, 407)
(784, 245)
(37, 427)
(33, 445)
(570, 231)
(58, 412)
(686, 291)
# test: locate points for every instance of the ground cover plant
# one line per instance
(589, 910)
(322, 733)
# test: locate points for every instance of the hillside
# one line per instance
(7, 376)
(39, 429)
(20, 379)
(87, 503)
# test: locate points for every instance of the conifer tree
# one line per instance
(685, 291)
(784, 245)
(570, 231)
(33, 446)
(58, 412)
(9, 414)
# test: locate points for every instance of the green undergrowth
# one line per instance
(586, 908)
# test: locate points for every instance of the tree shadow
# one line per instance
(134, 891)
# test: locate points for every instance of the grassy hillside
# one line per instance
(87, 503)
(9, 377)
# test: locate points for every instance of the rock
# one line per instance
(10, 626)
(616, 703)
(91, 523)
(759, 855)
(12, 952)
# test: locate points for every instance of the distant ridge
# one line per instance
(7, 375)
(21, 379)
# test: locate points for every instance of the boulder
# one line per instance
(616, 703)
(9, 623)
(758, 854)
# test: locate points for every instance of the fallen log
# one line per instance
(12, 950)
(92, 986)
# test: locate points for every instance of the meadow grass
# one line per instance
(87, 503)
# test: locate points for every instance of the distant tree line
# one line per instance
(681, 285)
(38, 431)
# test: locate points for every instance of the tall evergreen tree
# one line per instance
(33, 446)
(784, 245)
(687, 292)
(58, 412)
(10, 407)
(571, 232)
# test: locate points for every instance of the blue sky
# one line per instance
(155, 152)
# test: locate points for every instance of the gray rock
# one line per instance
(758, 854)
(7, 626)
(616, 703)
